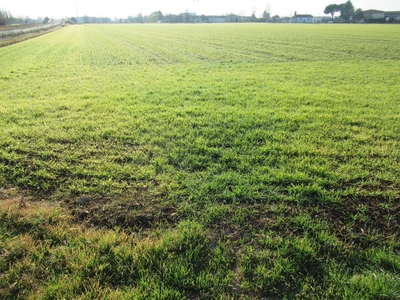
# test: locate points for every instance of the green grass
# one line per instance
(223, 161)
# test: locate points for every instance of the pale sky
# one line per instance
(125, 8)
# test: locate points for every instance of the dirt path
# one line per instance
(18, 27)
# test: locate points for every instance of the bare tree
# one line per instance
(5, 17)
(268, 8)
(253, 15)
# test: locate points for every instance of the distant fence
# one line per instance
(39, 28)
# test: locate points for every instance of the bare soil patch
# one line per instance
(107, 211)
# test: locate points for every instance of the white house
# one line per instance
(302, 19)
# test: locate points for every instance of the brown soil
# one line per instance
(363, 221)
(133, 215)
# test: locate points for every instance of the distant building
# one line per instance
(392, 16)
(374, 14)
(233, 18)
(323, 19)
(87, 19)
(188, 13)
(217, 19)
(245, 19)
(302, 19)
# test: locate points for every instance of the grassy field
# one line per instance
(221, 162)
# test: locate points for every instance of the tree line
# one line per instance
(346, 10)
(158, 16)
(7, 18)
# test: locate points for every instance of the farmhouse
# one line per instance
(302, 18)
(379, 16)
(374, 14)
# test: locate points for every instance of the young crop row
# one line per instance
(126, 45)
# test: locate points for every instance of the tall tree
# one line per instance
(266, 16)
(332, 9)
(275, 18)
(359, 14)
(2, 18)
(346, 10)
(156, 16)
(253, 15)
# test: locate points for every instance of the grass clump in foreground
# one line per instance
(214, 168)
(47, 255)
(44, 248)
